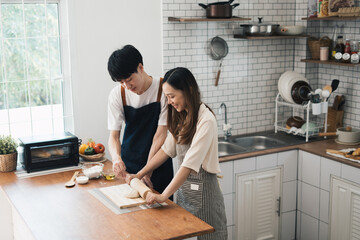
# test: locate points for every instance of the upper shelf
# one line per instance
(331, 18)
(175, 19)
(330, 62)
(270, 37)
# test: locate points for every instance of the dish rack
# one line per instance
(280, 124)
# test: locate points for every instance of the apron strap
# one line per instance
(160, 90)
(123, 96)
(158, 96)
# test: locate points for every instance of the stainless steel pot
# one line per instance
(219, 9)
(259, 28)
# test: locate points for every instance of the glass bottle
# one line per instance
(339, 48)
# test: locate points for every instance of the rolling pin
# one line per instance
(139, 186)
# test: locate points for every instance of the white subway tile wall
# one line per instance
(250, 71)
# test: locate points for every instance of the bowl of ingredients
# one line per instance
(108, 174)
(82, 179)
(92, 170)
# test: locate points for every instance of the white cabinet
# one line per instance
(345, 210)
(257, 205)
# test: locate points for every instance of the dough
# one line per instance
(132, 194)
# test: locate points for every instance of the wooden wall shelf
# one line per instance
(175, 19)
(330, 62)
(332, 18)
(269, 37)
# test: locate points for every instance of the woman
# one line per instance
(193, 140)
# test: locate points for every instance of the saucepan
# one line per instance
(219, 9)
(345, 135)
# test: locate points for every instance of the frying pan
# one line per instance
(218, 50)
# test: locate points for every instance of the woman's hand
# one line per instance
(152, 198)
(146, 179)
(129, 177)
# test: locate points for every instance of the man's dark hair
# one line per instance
(124, 62)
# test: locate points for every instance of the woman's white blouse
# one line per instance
(203, 151)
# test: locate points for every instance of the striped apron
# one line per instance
(200, 194)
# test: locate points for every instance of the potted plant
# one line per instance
(8, 153)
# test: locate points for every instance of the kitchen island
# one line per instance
(43, 208)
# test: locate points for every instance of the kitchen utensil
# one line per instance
(312, 128)
(325, 94)
(318, 91)
(117, 194)
(219, 9)
(290, 30)
(71, 182)
(259, 28)
(334, 86)
(82, 179)
(300, 92)
(294, 121)
(218, 50)
(285, 83)
(328, 88)
(345, 134)
(336, 102)
(341, 103)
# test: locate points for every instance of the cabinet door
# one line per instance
(345, 210)
(257, 205)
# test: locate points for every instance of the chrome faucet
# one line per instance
(226, 126)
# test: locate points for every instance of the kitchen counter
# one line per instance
(52, 211)
(317, 147)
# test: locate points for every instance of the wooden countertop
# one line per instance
(318, 147)
(52, 211)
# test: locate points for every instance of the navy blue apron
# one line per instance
(141, 125)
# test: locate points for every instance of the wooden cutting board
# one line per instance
(117, 195)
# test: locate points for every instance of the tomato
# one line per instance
(82, 148)
(99, 148)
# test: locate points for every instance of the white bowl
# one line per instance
(82, 179)
(290, 30)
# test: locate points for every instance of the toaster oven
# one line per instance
(49, 151)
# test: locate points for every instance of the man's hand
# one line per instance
(119, 168)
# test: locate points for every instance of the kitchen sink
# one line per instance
(228, 148)
(258, 142)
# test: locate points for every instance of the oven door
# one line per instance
(52, 156)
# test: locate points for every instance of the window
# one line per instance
(35, 95)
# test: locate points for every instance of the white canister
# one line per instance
(316, 108)
(324, 53)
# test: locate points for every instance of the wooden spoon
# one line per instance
(71, 183)
(327, 87)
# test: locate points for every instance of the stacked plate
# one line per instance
(293, 87)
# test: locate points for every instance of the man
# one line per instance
(138, 100)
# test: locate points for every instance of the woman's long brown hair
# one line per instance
(182, 125)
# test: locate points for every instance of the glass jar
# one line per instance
(324, 53)
(354, 52)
